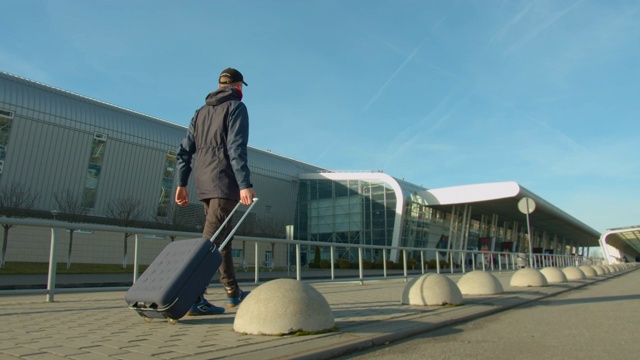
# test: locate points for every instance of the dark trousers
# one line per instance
(216, 211)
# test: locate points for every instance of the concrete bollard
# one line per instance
(573, 273)
(528, 277)
(283, 306)
(432, 290)
(480, 283)
(554, 275)
(588, 271)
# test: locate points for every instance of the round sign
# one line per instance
(526, 205)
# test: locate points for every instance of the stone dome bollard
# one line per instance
(431, 290)
(283, 306)
(528, 277)
(599, 270)
(588, 271)
(554, 275)
(479, 283)
(573, 273)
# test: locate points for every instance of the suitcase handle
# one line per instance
(233, 231)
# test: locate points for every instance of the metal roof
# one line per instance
(625, 239)
(501, 199)
(49, 104)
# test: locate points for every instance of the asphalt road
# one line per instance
(599, 321)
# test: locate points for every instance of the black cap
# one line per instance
(233, 75)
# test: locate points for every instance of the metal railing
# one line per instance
(457, 260)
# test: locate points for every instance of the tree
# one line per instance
(126, 212)
(271, 227)
(71, 210)
(171, 221)
(16, 201)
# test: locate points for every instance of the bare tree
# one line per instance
(171, 220)
(71, 210)
(271, 227)
(126, 212)
(16, 201)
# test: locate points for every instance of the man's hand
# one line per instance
(246, 196)
(182, 196)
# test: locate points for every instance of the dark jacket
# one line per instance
(218, 135)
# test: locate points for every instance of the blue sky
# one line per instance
(440, 93)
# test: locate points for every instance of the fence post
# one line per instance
(298, 263)
(135, 259)
(463, 261)
(360, 266)
(51, 280)
(384, 262)
(404, 261)
(333, 276)
(473, 260)
(451, 261)
(257, 264)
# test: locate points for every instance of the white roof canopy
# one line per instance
(501, 199)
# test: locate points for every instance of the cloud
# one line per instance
(549, 153)
(408, 59)
(393, 75)
(507, 28)
(533, 31)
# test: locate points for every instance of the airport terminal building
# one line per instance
(65, 149)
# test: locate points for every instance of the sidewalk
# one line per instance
(98, 324)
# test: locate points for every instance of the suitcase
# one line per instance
(178, 275)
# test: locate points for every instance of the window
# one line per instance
(6, 117)
(237, 253)
(93, 170)
(6, 114)
(167, 183)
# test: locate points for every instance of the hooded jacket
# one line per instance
(218, 136)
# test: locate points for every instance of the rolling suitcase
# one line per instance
(178, 275)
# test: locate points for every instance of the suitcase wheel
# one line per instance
(172, 321)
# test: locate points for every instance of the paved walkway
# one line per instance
(98, 324)
(595, 322)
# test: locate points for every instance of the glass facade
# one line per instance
(361, 211)
(346, 211)
(417, 218)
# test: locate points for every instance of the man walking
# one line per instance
(218, 136)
